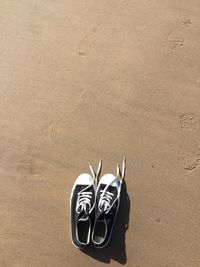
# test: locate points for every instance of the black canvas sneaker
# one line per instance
(82, 205)
(107, 204)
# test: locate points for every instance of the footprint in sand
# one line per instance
(175, 40)
(186, 22)
(52, 130)
(189, 121)
(190, 160)
(36, 166)
(87, 43)
(33, 166)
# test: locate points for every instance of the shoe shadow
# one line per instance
(116, 249)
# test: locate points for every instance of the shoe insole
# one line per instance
(100, 231)
(83, 230)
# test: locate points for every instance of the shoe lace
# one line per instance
(105, 200)
(84, 202)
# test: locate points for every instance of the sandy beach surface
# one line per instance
(80, 80)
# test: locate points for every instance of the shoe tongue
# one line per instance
(85, 208)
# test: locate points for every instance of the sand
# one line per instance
(80, 80)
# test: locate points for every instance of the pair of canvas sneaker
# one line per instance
(94, 204)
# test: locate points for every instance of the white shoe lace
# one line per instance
(84, 201)
(106, 197)
(105, 200)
